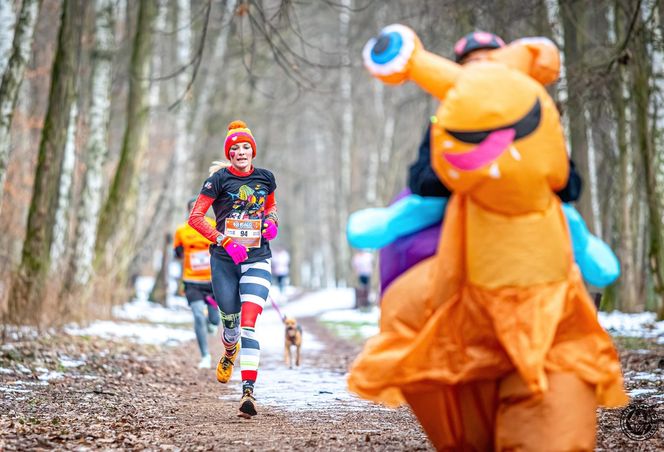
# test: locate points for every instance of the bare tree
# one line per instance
(61, 225)
(116, 219)
(12, 78)
(7, 22)
(80, 263)
(27, 293)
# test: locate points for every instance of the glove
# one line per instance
(270, 230)
(236, 251)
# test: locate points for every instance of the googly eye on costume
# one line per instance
(389, 53)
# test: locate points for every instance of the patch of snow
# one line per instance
(369, 316)
(177, 302)
(136, 332)
(304, 388)
(4, 370)
(143, 286)
(645, 376)
(639, 392)
(152, 312)
(368, 331)
(270, 332)
(86, 377)
(19, 333)
(643, 324)
(67, 362)
(28, 383)
(316, 303)
(4, 389)
(50, 375)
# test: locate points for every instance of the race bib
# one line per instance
(245, 232)
(199, 260)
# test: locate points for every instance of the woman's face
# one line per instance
(241, 155)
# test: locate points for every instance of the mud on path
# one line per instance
(128, 396)
(122, 396)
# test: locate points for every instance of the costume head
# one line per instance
(497, 134)
(238, 132)
(477, 40)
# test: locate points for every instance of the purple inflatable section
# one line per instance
(407, 251)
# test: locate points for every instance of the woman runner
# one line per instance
(242, 198)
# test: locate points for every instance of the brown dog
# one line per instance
(293, 337)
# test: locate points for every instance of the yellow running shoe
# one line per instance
(225, 366)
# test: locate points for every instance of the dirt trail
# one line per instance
(131, 397)
(139, 397)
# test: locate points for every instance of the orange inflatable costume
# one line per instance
(493, 341)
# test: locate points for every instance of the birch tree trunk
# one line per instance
(641, 75)
(7, 22)
(80, 263)
(627, 291)
(325, 205)
(209, 81)
(628, 298)
(61, 226)
(159, 293)
(346, 91)
(27, 295)
(573, 14)
(120, 207)
(183, 165)
(12, 78)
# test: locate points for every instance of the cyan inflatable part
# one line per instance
(375, 228)
(597, 262)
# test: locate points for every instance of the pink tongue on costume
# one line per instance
(486, 152)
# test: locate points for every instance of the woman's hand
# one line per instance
(236, 251)
(270, 230)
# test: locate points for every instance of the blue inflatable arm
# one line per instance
(377, 227)
(597, 262)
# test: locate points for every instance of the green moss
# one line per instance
(634, 343)
(347, 329)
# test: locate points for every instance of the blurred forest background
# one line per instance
(111, 112)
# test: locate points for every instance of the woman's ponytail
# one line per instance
(217, 165)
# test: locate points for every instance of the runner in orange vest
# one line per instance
(193, 249)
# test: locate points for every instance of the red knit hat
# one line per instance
(238, 132)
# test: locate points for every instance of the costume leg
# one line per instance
(561, 419)
(457, 418)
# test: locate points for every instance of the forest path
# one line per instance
(129, 396)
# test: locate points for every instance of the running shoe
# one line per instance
(205, 362)
(225, 366)
(247, 405)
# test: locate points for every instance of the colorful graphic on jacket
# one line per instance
(249, 202)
